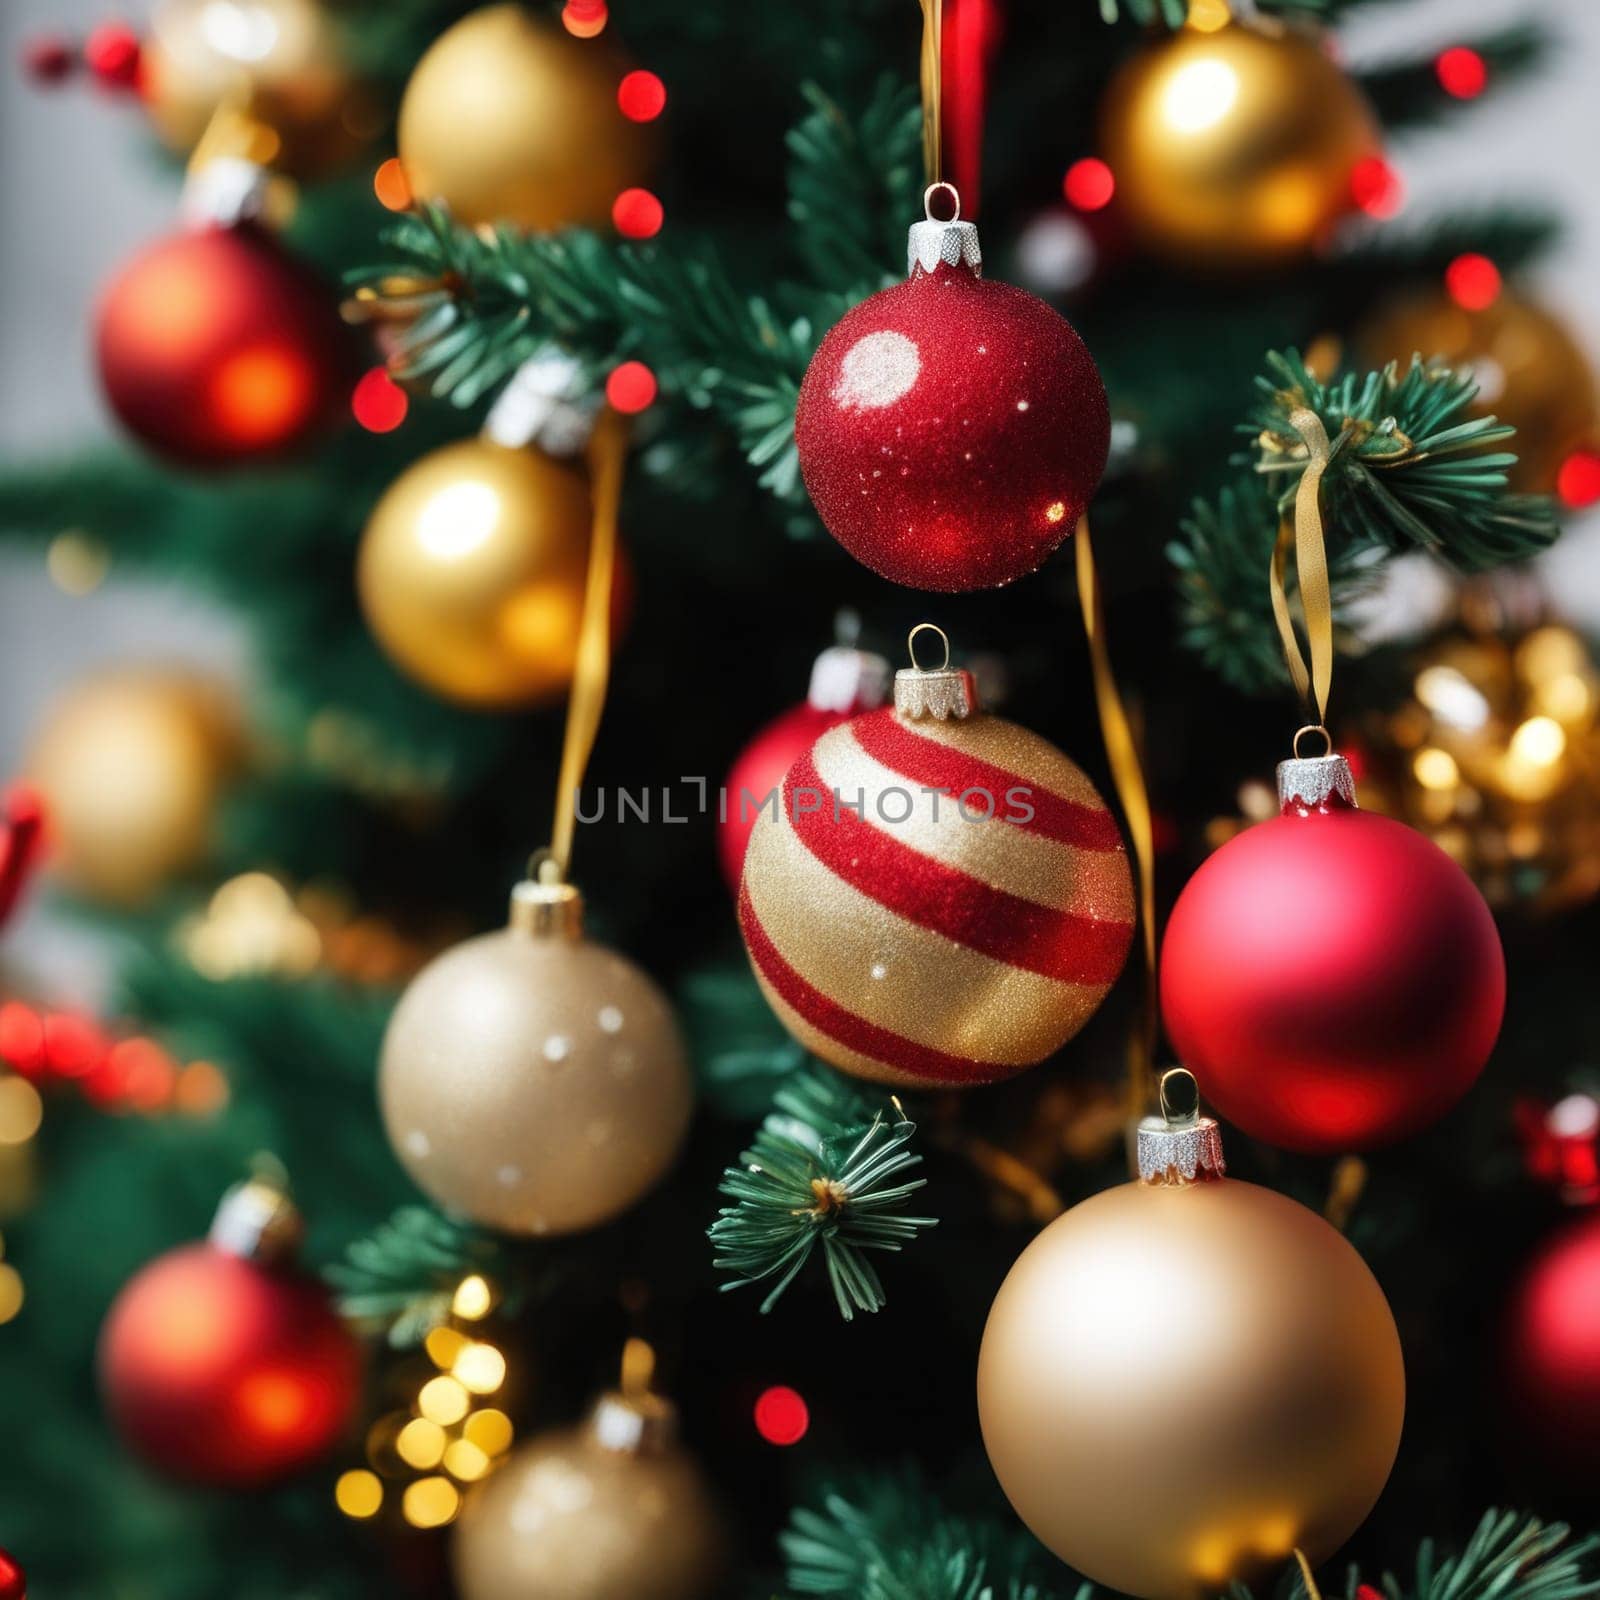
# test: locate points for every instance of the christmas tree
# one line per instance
(540, 946)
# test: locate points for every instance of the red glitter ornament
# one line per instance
(951, 429)
(221, 1363)
(217, 347)
(1331, 977)
(1551, 1360)
(844, 681)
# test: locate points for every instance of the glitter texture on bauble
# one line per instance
(951, 429)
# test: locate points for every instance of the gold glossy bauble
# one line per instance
(131, 765)
(1180, 1385)
(279, 61)
(1234, 147)
(508, 118)
(1529, 369)
(603, 1511)
(472, 571)
(531, 1080)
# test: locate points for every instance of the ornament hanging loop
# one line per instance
(942, 187)
(911, 646)
(1320, 732)
(1179, 1097)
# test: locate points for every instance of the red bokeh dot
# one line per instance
(48, 59)
(782, 1416)
(391, 185)
(631, 387)
(1578, 481)
(1089, 184)
(73, 1046)
(378, 402)
(1472, 281)
(112, 54)
(637, 214)
(1375, 187)
(584, 18)
(642, 96)
(21, 1038)
(1462, 72)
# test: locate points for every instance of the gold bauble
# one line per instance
(472, 572)
(131, 765)
(1235, 146)
(1180, 1385)
(1530, 371)
(279, 61)
(611, 1510)
(531, 1080)
(508, 118)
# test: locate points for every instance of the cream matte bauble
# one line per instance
(532, 1081)
(508, 118)
(610, 1510)
(1183, 1382)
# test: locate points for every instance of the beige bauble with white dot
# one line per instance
(531, 1080)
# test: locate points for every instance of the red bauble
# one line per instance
(844, 681)
(1552, 1359)
(217, 347)
(1331, 977)
(227, 1371)
(951, 429)
(13, 1580)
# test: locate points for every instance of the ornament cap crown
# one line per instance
(936, 242)
(939, 692)
(257, 1221)
(543, 906)
(1315, 783)
(1181, 1145)
(633, 1419)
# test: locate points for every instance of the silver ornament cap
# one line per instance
(940, 692)
(1180, 1145)
(1315, 783)
(949, 242)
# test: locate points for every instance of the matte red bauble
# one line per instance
(1552, 1359)
(216, 347)
(1332, 977)
(843, 682)
(951, 429)
(222, 1364)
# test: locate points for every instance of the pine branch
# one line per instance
(742, 1053)
(474, 305)
(1171, 13)
(886, 1537)
(1509, 1557)
(401, 1276)
(1408, 471)
(1409, 468)
(854, 184)
(1409, 94)
(1511, 237)
(820, 1171)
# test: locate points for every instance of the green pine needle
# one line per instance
(402, 1276)
(1509, 1557)
(823, 1170)
(887, 1537)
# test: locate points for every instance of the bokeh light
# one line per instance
(391, 186)
(1462, 72)
(631, 388)
(641, 96)
(782, 1416)
(1089, 184)
(1578, 480)
(359, 1493)
(378, 403)
(637, 214)
(1472, 281)
(1376, 189)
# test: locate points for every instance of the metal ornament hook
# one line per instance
(911, 646)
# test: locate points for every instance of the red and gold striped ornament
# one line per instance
(938, 896)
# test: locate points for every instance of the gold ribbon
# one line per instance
(608, 446)
(1304, 537)
(1123, 754)
(932, 89)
